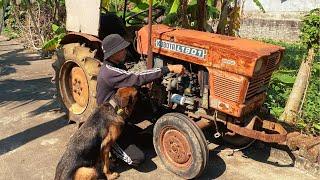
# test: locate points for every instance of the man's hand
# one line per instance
(179, 69)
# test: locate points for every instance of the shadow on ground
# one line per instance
(28, 91)
(6, 70)
(17, 57)
(15, 141)
(14, 56)
(215, 164)
(261, 152)
(215, 167)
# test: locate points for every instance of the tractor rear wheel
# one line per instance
(181, 145)
(76, 72)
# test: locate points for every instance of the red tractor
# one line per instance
(225, 83)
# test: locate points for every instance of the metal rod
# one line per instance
(124, 11)
(205, 116)
(203, 123)
(150, 55)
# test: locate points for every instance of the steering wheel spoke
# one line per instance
(141, 18)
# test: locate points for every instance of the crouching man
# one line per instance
(114, 75)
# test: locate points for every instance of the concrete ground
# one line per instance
(33, 135)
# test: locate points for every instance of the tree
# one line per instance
(310, 33)
(3, 5)
(28, 5)
(33, 20)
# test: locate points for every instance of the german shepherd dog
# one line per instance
(93, 140)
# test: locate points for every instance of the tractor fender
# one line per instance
(90, 41)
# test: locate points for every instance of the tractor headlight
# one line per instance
(258, 66)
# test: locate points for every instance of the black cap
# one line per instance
(112, 44)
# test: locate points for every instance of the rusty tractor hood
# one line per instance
(227, 53)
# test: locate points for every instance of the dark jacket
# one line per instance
(112, 77)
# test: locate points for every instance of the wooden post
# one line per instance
(150, 54)
(295, 99)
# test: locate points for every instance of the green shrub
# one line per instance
(9, 33)
(283, 80)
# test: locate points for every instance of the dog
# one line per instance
(92, 142)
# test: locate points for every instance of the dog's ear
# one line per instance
(126, 91)
(133, 96)
(134, 92)
(125, 95)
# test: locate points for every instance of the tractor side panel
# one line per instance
(83, 16)
(173, 46)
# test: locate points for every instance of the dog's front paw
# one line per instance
(112, 176)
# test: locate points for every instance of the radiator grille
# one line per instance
(227, 88)
(259, 83)
(272, 62)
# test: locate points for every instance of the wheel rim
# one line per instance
(74, 87)
(176, 148)
(79, 86)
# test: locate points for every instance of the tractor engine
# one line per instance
(182, 90)
(185, 91)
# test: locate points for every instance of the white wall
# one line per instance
(282, 5)
(281, 21)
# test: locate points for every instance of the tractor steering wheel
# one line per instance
(142, 17)
(104, 9)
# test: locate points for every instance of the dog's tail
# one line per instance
(85, 173)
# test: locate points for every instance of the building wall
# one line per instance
(281, 21)
(282, 5)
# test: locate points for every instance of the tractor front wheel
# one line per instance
(181, 145)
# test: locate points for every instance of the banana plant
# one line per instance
(230, 16)
(182, 13)
(187, 14)
(53, 43)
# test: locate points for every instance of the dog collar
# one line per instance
(118, 110)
